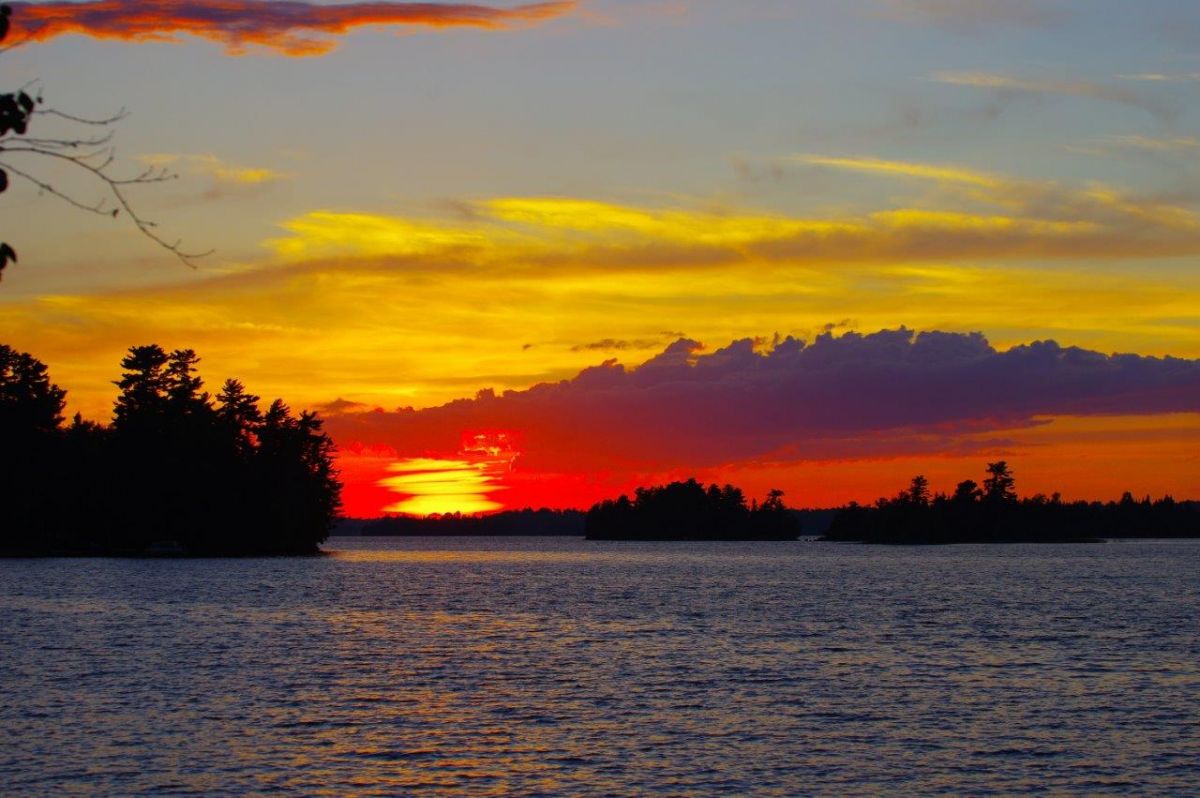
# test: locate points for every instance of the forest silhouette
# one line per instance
(992, 513)
(177, 471)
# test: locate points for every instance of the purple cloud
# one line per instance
(851, 395)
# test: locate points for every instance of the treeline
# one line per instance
(992, 513)
(176, 471)
(510, 523)
(690, 511)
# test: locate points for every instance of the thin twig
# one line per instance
(151, 175)
(98, 208)
(64, 144)
(112, 120)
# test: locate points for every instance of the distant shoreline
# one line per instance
(150, 554)
(147, 555)
(800, 539)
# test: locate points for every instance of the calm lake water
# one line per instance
(560, 667)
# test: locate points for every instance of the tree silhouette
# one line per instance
(966, 492)
(183, 384)
(995, 514)
(29, 402)
(774, 502)
(999, 485)
(175, 468)
(689, 511)
(30, 415)
(84, 146)
(918, 490)
(238, 412)
(143, 385)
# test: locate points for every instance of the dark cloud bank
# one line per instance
(850, 395)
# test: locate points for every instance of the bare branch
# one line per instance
(114, 186)
(112, 120)
(61, 144)
(94, 154)
(98, 208)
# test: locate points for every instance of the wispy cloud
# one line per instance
(291, 27)
(623, 344)
(1151, 144)
(213, 166)
(1027, 219)
(973, 16)
(1163, 77)
(1008, 84)
(224, 179)
(943, 173)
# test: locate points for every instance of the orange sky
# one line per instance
(586, 226)
(837, 420)
(1082, 458)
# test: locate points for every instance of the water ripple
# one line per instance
(481, 667)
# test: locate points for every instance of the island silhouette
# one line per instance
(992, 513)
(177, 471)
(689, 511)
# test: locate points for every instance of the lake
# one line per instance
(560, 667)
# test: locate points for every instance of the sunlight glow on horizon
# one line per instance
(466, 484)
(432, 486)
(1083, 458)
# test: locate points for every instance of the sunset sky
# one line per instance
(537, 254)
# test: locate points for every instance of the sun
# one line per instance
(465, 483)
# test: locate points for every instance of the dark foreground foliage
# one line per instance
(992, 513)
(511, 523)
(690, 511)
(178, 471)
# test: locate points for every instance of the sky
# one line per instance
(538, 254)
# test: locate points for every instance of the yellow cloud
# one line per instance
(208, 164)
(533, 231)
(694, 228)
(1163, 77)
(1168, 144)
(399, 310)
(367, 329)
(914, 219)
(1041, 221)
(324, 233)
(1094, 221)
(246, 174)
(949, 174)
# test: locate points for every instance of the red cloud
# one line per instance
(291, 27)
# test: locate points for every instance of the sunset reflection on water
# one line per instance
(489, 667)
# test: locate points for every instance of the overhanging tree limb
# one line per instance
(92, 155)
